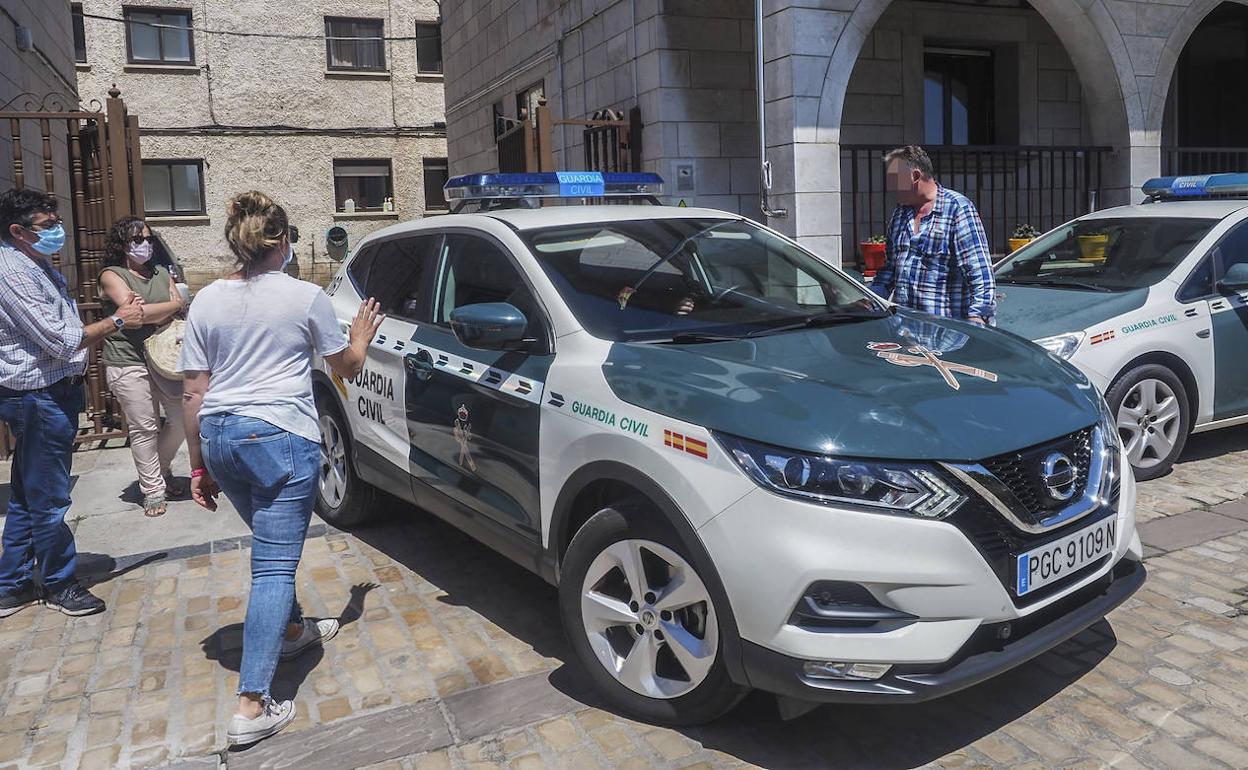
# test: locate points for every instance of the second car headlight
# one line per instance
(1062, 345)
(890, 487)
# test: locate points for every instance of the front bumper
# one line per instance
(979, 659)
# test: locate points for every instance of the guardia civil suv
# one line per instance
(740, 467)
(1151, 303)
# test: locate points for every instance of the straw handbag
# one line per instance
(164, 348)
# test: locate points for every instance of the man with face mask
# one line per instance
(938, 259)
(43, 354)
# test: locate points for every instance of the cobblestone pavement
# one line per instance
(452, 657)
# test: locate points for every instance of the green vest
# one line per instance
(125, 348)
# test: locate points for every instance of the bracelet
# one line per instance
(199, 473)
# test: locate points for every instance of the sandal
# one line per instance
(154, 506)
(175, 489)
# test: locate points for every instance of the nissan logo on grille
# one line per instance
(1059, 476)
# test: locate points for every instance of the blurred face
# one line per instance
(902, 181)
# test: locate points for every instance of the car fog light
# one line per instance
(829, 669)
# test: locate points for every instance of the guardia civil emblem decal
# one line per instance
(918, 355)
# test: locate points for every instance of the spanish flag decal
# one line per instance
(684, 443)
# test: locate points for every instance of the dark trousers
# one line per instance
(44, 422)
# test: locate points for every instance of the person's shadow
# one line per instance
(225, 645)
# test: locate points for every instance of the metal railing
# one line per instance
(1184, 161)
(1010, 185)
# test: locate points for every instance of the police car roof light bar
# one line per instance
(1205, 186)
(501, 190)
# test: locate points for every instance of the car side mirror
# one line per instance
(490, 326)
(1236, 277)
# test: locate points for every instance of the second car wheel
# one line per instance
(641, 621)
(342, 499)
(1150, 407)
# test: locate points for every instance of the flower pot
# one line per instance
(1092, 247)
(873, 256)
(1018, 243)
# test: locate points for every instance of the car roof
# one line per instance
(1198, 209)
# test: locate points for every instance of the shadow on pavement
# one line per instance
(225, 646)
(1203, 446)
(902, 736)
(97, 568)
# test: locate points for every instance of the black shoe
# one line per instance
(19, 600)
(74, 600)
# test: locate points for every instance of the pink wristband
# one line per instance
(198, 472)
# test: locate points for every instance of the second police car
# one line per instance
(740, 467)
(1151, 302)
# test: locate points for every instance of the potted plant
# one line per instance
(1092, 246)
(873, 254)
(1023, 235)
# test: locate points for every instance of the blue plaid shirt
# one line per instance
(945, 268)
(39, 326)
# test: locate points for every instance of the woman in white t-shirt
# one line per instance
(252, 430)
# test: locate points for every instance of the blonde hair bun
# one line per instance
(254, 224)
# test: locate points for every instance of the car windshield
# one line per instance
(680, 279)
(1105, 254)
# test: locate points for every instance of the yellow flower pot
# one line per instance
(1018, 243)
(1092, 247)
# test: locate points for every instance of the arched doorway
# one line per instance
(1205, 127)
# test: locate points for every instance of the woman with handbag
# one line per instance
(140, 388)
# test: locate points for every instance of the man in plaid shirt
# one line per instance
(937, 253)
(43, 353)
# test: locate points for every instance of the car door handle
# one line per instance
(419, 365)
(1203, 334)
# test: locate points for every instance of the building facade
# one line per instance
(36, 73)
(333, 108)
(1037, 109)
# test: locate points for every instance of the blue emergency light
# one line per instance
(553, 184)
(1206, 186)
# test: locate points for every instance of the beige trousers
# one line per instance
(142, 393)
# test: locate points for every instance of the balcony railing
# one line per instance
(1010, 185)
(1184, 161)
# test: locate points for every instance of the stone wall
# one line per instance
(232, 106)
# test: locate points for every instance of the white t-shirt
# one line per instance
(256, 338)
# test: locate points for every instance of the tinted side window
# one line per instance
(476, 270)
(1199, 284)
(359, 268)
(394, 279)
(1233, 249)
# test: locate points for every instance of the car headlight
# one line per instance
(1062, 345)
(889, 487)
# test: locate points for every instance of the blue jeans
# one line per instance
(45, 422)
(270, 476)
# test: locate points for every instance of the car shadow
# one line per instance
(1204, 446)
(225, 646)
(877, 736)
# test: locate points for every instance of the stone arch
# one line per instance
(1192, 16)
(1091, 39)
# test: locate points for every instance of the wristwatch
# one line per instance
(118, 322)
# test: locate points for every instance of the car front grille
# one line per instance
(1022, 473)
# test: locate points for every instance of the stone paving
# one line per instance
(452, 657)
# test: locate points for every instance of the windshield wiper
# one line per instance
(693, 338)
(1054, 283)
(829, 318)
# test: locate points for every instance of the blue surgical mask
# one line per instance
(50, 241)
(290, 255)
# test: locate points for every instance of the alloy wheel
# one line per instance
(1149, 422)
(649, 618)
(333, 474)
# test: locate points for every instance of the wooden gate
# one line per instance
(100, 148)
(612, 141)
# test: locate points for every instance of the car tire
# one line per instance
(680, 677)
(342, 498)
(1154, 418)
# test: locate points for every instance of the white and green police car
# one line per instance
(1151, 303)
(740, 467)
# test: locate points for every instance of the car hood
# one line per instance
(1038, 311)
(825, 390)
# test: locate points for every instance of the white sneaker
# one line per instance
(314, 632)
(276, 715)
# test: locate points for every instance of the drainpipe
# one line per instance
(764, 164)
